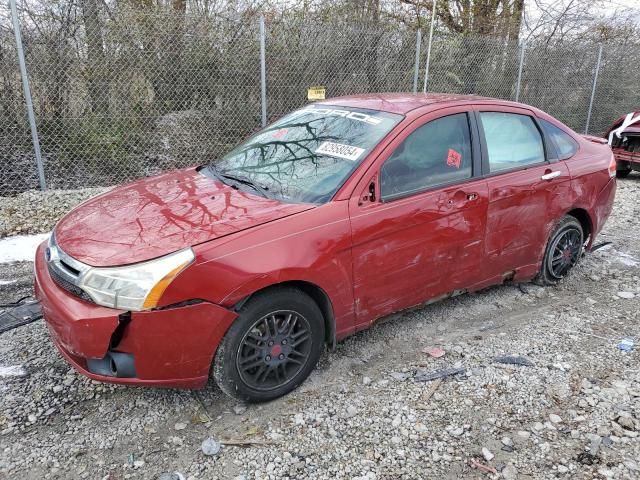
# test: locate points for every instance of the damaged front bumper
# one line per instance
(170, 347)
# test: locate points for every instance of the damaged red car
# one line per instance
(340, 213)
(624, 138)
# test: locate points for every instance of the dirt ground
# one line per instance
(573, 411)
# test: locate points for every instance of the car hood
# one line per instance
(156, 216)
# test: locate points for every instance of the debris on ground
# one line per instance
(17, 314)
(514, 360)
(626, 344)
(434, 352)
(427, 376)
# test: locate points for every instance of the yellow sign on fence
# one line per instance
(316, 93)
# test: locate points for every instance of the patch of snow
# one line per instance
(627, 259)
(20, 248)
(6, 282)
(12, 371)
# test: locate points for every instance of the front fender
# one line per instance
(313, 246)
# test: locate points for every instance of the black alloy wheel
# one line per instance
(272, 346)
(566, 248)
(563, 251)
(274, 350)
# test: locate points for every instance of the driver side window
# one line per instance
(436, 153)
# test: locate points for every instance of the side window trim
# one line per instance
(550, 151)
(486, 171)
(554, 144)
(475, 159)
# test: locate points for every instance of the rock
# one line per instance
(239, 409)
(631, 465)
(210, 446)
(351, 411)
(366, 380)
(168, 476)
(180, 426)
(626, 295)
(562, 469)
(456, 432)
(523, 434)
(509, 472)
(594, 447)
(486, 453)
(58, 388)
(555, 418)
(399, 376)
(138, 463)
(625, 420)
(507, 441)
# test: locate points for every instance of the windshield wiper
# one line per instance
(242, 180)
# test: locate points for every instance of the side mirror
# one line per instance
(368, 195)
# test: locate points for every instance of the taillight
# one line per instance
(612, 166)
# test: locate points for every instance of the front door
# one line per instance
(418, 219)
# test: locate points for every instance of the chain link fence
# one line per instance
(132, 93)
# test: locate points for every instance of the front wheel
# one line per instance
(564, 249)
(272, 347)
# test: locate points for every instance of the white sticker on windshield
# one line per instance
(339, 150)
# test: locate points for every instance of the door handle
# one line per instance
(551, 175)
(472, 196)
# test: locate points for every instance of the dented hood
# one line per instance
(156, 216)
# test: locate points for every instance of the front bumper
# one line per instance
(171, 347)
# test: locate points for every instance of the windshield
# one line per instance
(307, 155)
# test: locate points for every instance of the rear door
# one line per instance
(526, 185)
(418, 216)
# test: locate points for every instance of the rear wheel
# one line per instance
(564, 250)
(623, 173)
(272, 347)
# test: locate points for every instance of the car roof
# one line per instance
(403, 103)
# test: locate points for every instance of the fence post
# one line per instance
(416, 69)
(263, 73)
(593, 90)
(27, 94)
(426, 68)
(522, 48)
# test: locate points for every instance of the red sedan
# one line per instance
(336, 215)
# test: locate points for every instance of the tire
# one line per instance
(563, 251)
(623, 173)
(272, 347)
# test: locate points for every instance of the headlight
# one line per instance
(135, 287)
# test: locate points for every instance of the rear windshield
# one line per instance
(307, 155)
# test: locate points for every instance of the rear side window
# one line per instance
(436, 153)
(512, 140)
(565, 145)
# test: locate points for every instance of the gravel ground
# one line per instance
(37, 212)
(572, 412)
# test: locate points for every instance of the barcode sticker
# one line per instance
(339, 150)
